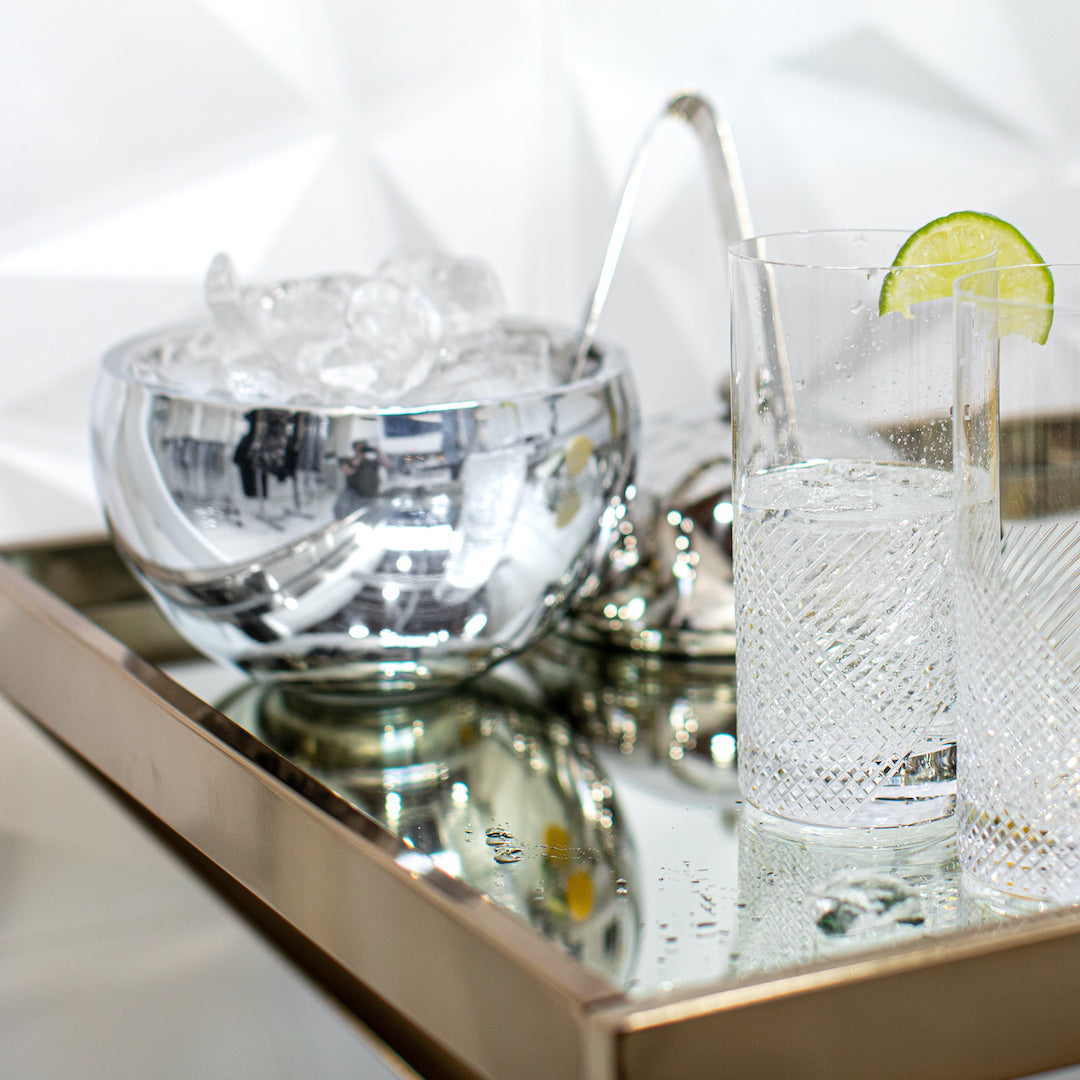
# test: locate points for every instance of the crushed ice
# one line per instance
(424, 328)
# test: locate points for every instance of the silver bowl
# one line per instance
(354, 548)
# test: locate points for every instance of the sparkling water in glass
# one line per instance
(843, 534)
(1018, 597)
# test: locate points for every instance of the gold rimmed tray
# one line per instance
(453, 982)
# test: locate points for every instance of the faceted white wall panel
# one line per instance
(313, 135)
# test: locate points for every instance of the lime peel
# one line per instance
(933, 257)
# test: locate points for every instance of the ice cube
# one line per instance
(354, 340)
(191, 363)
(496, 364)
(394, 317)
(358, 372)
(465, 292)
(524, 361)
(390, 344)
(258, 383)
(305, 308)
(346, 378)
(224, 298)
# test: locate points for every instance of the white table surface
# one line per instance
(117, 963)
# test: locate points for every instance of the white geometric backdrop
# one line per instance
(314, 135)
(140, 137)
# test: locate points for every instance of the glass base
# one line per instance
(981, 903)
(923, 789)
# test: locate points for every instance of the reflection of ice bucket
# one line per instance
(491, 788)
(391, 546)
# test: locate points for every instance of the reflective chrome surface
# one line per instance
(666, 586)
(387, 548)
(490, 784)
(602, 809)
(726, 186)
(660, 715)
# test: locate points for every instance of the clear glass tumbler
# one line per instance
(1018, 594)
(843, 533)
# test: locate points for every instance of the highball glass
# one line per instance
(842, 533)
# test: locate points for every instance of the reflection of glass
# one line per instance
(807, 893)
(388, 548)
(843, 511)
(648, 708)
(495, 790)
(1018, 444)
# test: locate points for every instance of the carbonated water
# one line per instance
(843, 578)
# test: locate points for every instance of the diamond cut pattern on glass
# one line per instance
(851, 673)
(1019, 702)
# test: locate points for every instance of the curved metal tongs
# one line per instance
(679, 607)
(728, 193)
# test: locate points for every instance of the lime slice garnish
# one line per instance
(933, 257)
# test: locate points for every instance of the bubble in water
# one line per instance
(865, 903)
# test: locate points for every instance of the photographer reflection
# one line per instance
(363, 475)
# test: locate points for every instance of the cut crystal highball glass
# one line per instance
(1018, 599)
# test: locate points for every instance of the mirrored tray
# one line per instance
(547, 874)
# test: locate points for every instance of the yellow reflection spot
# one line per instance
(557, 844)
(577, 453)
(567, 507)
(579, 894)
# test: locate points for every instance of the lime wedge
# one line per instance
(933, 257)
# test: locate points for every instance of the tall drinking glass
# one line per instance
(1018, 595)
(843, 523)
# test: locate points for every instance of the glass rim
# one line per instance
(744, 250)
(963, 292)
